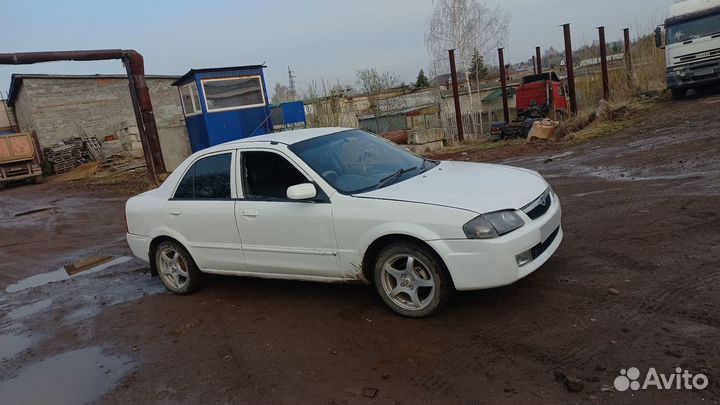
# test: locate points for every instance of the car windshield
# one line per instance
(693, 29)
(355, 161)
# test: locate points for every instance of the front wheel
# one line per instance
(177, 269)
(411, 279)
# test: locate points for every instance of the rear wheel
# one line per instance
(411, 279)
(177, 269)
(38, 179)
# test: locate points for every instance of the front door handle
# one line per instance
(174, 211)
(249, 213)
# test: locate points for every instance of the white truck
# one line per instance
(692, 45)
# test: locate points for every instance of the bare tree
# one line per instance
(281, 93)
(372, 83)
(463, 25)
(323, 109)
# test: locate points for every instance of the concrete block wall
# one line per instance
(174, 142)
(52, 106)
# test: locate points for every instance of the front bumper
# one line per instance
(694, 75)
(140, 245)
(485, 263)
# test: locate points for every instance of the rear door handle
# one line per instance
(174, 211)
(249, 213)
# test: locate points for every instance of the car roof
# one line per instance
(284, 137)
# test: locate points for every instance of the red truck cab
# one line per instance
(535, 91)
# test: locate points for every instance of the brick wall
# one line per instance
(53, 106)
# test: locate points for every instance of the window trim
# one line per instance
(233, 189)
(207, 106)
(322, 196)
(197, 109)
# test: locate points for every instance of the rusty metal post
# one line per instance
(538, 59)
(534, 65)
(570, 68)
(139, 92)
(147, 154)
(503, 85)
(603, 64)
(135, 64)
(628, 61)
(456, 95)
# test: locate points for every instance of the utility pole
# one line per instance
(291, 82)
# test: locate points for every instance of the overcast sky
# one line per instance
(327, 39)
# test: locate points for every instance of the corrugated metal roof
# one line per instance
(497, 93)
(17, 79)
(215, 69)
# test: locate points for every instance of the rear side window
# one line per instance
(207, 179)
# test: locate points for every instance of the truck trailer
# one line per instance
(19, 159)
(692, 45)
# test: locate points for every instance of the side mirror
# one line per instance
(658, 37)
(304, 191)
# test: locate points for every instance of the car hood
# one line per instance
(478, 187)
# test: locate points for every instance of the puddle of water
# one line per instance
(11, 345)
(75, 377)
(58, 275)
(26, 310)
(83, 313)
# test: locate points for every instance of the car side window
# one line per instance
(207, 179)
(267, 175)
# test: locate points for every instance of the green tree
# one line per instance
(422, 80)
(478, 70)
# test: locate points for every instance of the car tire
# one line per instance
(411, 279)
(177, 269)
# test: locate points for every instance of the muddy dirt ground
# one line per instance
(636, 283)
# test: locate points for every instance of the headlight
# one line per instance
(492, 225)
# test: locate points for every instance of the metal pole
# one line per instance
(534, 65)
(628, 61)
(538, 59)
(570, 68)
(134, 61)
(456, 96)
(503, 84)
(603, 64)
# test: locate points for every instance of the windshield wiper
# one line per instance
(423, 166)
(393, 177)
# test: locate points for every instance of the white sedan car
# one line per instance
(340, 205)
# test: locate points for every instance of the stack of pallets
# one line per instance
(61, 157)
